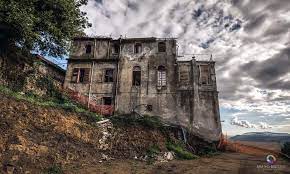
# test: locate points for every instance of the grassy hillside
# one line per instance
(42, 134)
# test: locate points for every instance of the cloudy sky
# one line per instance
(249, 40)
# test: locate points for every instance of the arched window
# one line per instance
(136, 76)
(137, 48)
(88, 49)
(161, 76)
(161, 47)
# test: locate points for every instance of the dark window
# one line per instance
(161, 47)
(149, 108)
(107, 100)
(161, 76)
(81, 75)
(184, 74)
(88, 49)
(116, 49)
(136, 76)
(75, 75)
(204, 75)
(109, 75)
(137, 48)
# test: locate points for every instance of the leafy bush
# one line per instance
(208, 151)
(180, 150)
(286, 149)
(153, 151)
(55, 169)
(46, 83)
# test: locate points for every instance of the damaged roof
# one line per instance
(50, 63)
(197, 57)
(121, 38)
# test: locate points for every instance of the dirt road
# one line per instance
(226, 163)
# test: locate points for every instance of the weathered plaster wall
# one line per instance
(147, 93)
(100, 49)
(184, 100)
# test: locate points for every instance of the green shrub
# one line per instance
(153, 151)
(55, 169)
(46, 83)
(208, 151)
(286, 149)
(151, 121)
(180, 150)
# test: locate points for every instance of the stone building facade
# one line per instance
(145, 75)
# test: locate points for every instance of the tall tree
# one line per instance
(44, 25)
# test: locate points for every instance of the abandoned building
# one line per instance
(145, 75)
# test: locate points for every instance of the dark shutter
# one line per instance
(87, 72)
(75, 73)
(88, 49)
(161, 47)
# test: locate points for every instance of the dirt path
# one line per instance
(226, 163)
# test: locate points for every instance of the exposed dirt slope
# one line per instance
(34, 138)
(226, 163)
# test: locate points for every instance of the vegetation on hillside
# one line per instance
(61, 102)
(43, 25)
(152, 122)
(180, 150)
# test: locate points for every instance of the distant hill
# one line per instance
(263, 137)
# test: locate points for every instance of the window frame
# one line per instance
(136, 76)
(88, 47)
(81, 75)
(107, 76)
(107, 98)
(136, 46)
(203, 76)
(161, 76)
(159, 47)
(115, 49)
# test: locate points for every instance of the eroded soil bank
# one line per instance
(226, 163)
(35, 138)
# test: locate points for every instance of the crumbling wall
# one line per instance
(99, 48)
(30, 74)
(189, 97)
(129, 97)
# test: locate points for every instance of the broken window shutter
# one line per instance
(159, 78)
(163, 78)
(87, 75)
(75, 75)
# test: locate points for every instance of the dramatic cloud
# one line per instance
(246, 124)
(249, 39)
